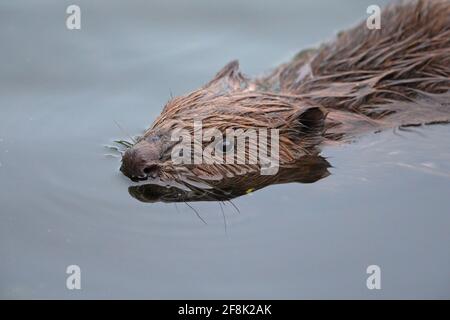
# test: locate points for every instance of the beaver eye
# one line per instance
(224, 146)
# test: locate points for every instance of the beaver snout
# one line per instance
(137, 164)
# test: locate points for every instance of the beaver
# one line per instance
(364, 80)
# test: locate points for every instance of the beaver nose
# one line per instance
(151, 171)
(136, 167)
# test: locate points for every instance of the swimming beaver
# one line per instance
(364, 80)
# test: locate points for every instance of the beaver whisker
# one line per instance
(125, 132)
(176, 207)
(196, 212)
(235, 207)
(224, 218)
(123, 143)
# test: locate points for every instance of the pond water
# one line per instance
(64, 202)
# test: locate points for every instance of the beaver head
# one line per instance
(229, 101)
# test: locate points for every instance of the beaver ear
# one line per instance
(229, 78)
(311, 122)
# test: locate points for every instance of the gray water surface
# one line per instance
(63, 201)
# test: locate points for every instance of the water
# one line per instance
(63, 200)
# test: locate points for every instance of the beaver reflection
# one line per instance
(307, 169)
